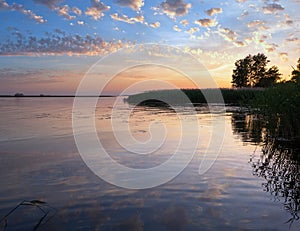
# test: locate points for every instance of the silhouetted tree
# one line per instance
(296, 73)
(19, 94)
(258, 68)
(271, 77)
(252, 72)
(240, 74)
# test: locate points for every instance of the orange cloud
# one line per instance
(206, 22)
(97, 9)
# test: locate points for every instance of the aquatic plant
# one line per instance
(196, 96)
(280, 106)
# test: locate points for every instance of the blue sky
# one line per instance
(61, 39)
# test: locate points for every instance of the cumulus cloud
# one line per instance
(270, 47)
(59, 43)
(155, 25)
(261, 40)
(174, 8)
(206, 22)
(256, 23)
(213, 11)
(293, 39)
(272, 8)
(49, 3)
(133, 4)
(283, 56)
(97, 9)
(176, 28)
(30, 14)
(243, 15)
(241, 1)
(240, 43)
(125, 18)
(3, 5)
(64, 11)
(192, 30)
(18, 7)
(231, 36)
(184, 22)
(76, 10)
(227, 34)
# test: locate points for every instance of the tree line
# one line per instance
(252, 71)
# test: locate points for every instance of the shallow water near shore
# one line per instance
(40, 161)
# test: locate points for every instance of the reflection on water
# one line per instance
(39, 161)
(278, 162)
(248, 126)
(280, 167)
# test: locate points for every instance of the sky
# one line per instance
(47, 46)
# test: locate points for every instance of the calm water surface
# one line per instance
(40, 161)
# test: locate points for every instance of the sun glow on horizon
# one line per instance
(48, 46)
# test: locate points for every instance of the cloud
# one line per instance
(206, 22)
(3, 5)
(260, 40)
(184, 22)
(49, 3)
(20, 8)
(64, 11)
(241, 1)
(80, 22)
(97, 9)
(28, 75)
(58, 43)
(283, 56)
(28, 13)
(270, 47)
(155, 25)
(176, 28)
(240, 43)
(192, 30)
(293, 39)
(256, 23)
(133, 4)
(125, 18)
(227, 34)
(174, 8)
(76, 10)
(272, 8)
(213, 11)
(243, 15)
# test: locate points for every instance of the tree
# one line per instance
(240, 74)
(296, 73)
(271, 77)
(258, 68)
(252, 72)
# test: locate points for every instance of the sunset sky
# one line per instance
(46, 46)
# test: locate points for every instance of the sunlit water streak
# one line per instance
(39, 160)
